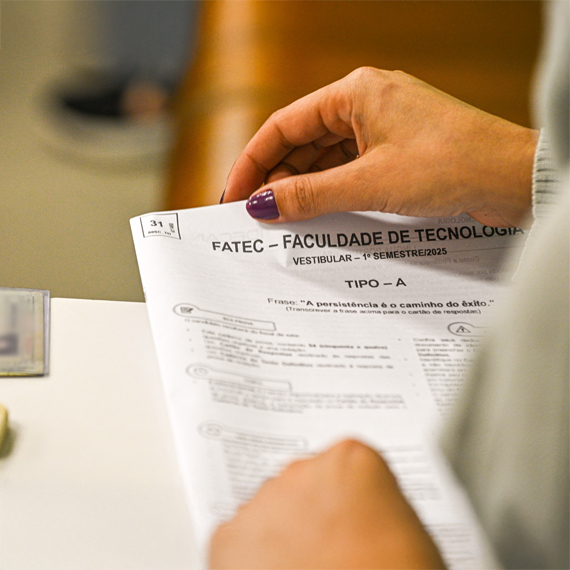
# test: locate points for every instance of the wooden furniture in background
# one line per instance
(255, 56)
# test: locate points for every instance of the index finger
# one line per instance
(321, 119)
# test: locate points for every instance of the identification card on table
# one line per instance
(24, 332)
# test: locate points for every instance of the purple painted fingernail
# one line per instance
(262, 206)
(222, 197)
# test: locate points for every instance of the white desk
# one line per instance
(91, 479)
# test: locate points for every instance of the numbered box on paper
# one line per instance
(165, 225)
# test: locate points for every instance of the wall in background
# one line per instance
(64, 218)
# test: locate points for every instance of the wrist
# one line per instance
(505, 176)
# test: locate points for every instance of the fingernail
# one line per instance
(222, 198)
(262, 206)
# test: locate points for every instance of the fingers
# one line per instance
(313, 158)
(342, 153)
(297, 132)
(295, 198)
(298, 161)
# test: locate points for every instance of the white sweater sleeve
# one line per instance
(545, 180)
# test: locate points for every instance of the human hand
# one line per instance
(340, 509)
(385, 141)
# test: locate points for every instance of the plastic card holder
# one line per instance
(24, 332)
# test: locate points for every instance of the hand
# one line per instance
(341, 509)
(385, 141)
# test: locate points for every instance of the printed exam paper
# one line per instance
(275, 341)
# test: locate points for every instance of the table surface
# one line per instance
(89, 478)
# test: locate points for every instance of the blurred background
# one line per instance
(114, 108)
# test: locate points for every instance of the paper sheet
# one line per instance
(275, 341)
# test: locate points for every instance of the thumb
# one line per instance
(305, 196)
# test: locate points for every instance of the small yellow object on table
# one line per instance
(3, 423)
